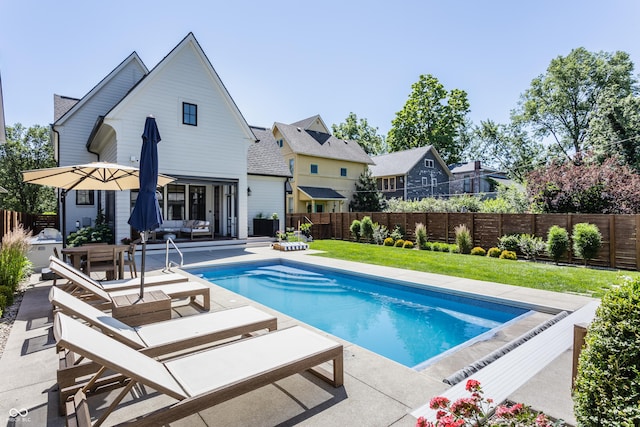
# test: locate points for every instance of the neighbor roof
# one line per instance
(470, 167)
(399, 162)
(62, 104)
(324, 145)
(264, 157)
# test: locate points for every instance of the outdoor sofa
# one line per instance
(191, 228)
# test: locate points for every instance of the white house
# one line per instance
(205, 142)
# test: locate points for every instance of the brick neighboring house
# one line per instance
(411, 174)
(473, 178)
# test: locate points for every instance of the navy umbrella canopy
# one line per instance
(146, 215)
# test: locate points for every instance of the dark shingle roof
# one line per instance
(321, 193)
(62, 104)
(323, 145)
(399, 162)
(264, 157)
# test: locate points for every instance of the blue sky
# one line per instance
(288, 60)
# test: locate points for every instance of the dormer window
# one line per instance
(189, 114)
(428, 163)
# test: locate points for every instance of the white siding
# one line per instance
(267, 197)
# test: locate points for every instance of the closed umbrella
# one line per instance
(146, 213)
(89, 176)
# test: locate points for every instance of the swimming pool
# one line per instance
(403, 322)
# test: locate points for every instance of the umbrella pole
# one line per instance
(142, 267)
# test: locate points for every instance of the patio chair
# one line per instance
(102, 258)
(89, 289)
(181, 335)
(130, 259)
(199, 380)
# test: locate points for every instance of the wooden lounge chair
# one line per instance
(199, 380)
(89, 289)
(180, 335)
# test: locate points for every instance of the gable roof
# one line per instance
(77, 105)
(62, 104)
(401, 162)
(470, 167)
(307, 123)
(189, 40)
(264, 157)
(322, 145)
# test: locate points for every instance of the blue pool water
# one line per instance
(394, 319)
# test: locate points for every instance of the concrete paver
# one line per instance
(377, 392)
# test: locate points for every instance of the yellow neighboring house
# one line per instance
(325, 169)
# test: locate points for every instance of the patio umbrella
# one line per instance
(90, 176)
(146, 215)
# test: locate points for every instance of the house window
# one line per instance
(434, 183)
(392, 184)
(291, 164)
(175, 202)
(319, 207)
(314, 169)
(428, 163)
(425, 181)
(290, 204)
(400, 182)
(189, 114)
(84, 197)
(467, 184)
(280, 143)
(197, 202)
(343, 171)
(385, 184)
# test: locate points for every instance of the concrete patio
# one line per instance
(376, 391)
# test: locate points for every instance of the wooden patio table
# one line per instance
(76, 254)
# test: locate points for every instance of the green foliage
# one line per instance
(399, 243)
(389, 241)
(494, 252)
(14, 264)
(557, 242)
(408, 244)
(3, 303)
(360, 131)
(463, 239)
(607, 386)
(586, 241)
(26, 149)
(366, 228)
(431, 116)
(508, 255)
(274, 215)
(355, 229)
(421, 235)
(397, 233)
(465, 203)
(380, 233)
(561, 103)
(510, 200)
(509, 242)
(478, 251)
(7, 292)
(531, 246)
(101, 233)
(367, 198)
(454, 249)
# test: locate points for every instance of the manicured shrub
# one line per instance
(355, 229)
(509, 242)
(421, 235)
(408, 244)
(478, 251)
(453, 249)
(388, 241)
(608, 381)
(463, 239)
(3, 303)
(397, 233)
(8, 294)
(366, 228)
(494, 252)
(428, 246)
(437, 246)
(508, 255)
(531, 246)
(557, 243)
(399, 243)
(380, 233)
(586, 241)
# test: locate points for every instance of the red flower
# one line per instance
(439, 402)
(473, 385)
(465, 407)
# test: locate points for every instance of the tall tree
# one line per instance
(431, 116)
(367, 198)
(614, 131)
(561, 103)
(26, 149)
(506, 147)
(360, 131)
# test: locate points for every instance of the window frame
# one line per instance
(428, 163)
(188, 115)
(87, 194)
(313, 166)
(343, 172)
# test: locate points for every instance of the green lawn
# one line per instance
(538, 275)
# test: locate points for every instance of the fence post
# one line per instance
(579, 333)
(612, 241)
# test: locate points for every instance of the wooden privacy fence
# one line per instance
(619, 249)
(36, 223)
